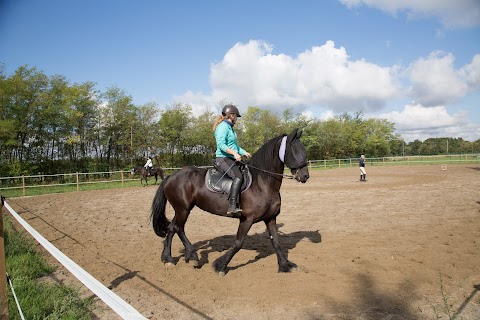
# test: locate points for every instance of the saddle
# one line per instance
(149, 171)
(217, 181)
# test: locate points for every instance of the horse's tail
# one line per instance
(159, 220)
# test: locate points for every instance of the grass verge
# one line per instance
(38, 299)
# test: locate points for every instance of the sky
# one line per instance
(414, 63)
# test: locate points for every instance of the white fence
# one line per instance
(78, 180)
(117, 304)
(388, 161)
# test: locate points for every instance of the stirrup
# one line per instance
(235, 213)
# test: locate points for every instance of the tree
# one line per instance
(25, 89)
(173, 125)
(379, 135)
(117, 113)
(144, 131)
(256, 127)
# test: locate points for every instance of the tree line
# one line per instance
(49, 125)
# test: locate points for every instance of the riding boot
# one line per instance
(361, 177)
(233, 209)
(364, 177)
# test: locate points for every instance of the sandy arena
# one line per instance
(403, 245)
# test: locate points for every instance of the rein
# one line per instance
(287, 176)
(281, 155)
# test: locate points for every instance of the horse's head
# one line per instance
(296, 156)
(133, 171)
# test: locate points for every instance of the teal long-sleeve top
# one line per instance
(226, 137)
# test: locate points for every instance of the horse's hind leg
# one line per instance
(177, 226)
(190, 252)
(283, 264)
(220, 265)
(167, 247)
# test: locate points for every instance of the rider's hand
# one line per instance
(248, 155)
(238, 157)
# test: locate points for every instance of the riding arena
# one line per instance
(402, 245)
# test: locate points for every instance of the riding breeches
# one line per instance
(229, 166)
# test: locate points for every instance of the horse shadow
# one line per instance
(259, 242)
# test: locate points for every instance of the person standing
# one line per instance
(229, 153)
(363, 172)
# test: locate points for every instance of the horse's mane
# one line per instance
(263, 157)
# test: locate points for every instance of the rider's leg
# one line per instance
(234, 199)
(228, 165)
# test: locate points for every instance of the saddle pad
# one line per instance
(217, 181)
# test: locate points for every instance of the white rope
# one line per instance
(15, 296)
(117, 304)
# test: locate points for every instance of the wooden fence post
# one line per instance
(23, 185)
(3, 271)
(77, 181)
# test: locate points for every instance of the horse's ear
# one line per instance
(299, 134)
(292, 135)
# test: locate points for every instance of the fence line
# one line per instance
(117, 304)
(69, 179)
(400, 160)
(77, 179)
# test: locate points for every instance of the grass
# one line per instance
(46, 189)
(38, 299)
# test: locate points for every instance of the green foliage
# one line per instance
(37, 299)
(48, 126)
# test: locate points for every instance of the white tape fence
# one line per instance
(117, 304)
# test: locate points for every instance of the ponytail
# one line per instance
(217, 121)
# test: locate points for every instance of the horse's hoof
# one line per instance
(169, 264)
(221, 273)
(194, 263)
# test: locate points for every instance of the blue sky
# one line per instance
(415, 63)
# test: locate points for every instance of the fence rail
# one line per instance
(80, 181)
(403, 160)
(75, 180)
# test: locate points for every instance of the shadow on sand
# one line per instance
(259, 242)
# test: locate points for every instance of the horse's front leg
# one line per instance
(220, 265)
(283, 264)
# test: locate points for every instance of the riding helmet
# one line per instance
(230, 108)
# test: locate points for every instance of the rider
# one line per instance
(149, 165)
(229, 153)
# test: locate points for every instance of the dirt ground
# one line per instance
(403, 245)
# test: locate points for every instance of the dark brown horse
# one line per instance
(144, 174)
(261, 202)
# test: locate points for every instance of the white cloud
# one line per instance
(435, 81)
(324, 78)
(324, 81)
(471, 73)
(452, 13)
(250, 74)
(419, 122)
